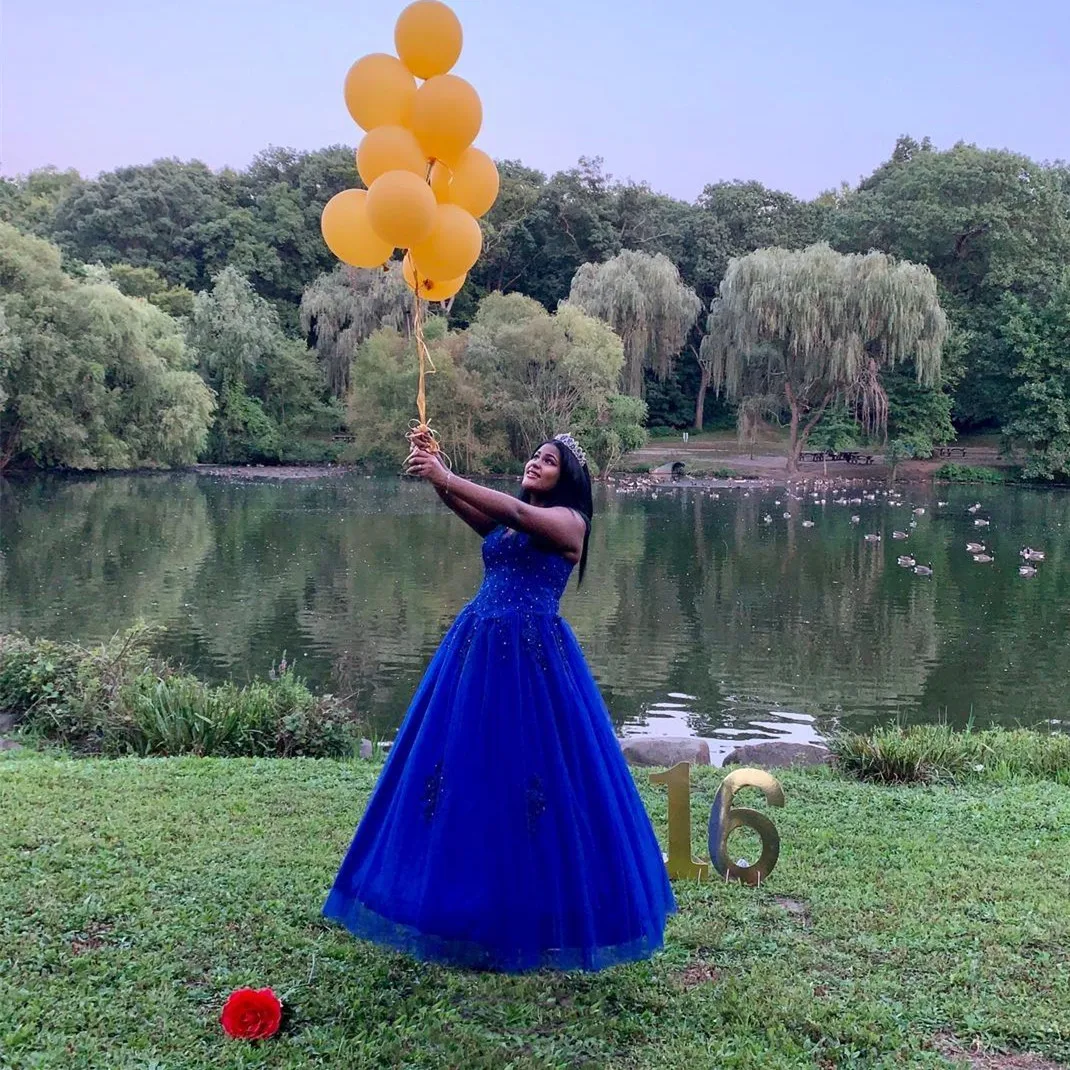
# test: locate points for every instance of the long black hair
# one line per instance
(572, 490)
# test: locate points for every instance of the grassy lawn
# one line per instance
(136, 893)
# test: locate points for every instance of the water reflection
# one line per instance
(705, 613)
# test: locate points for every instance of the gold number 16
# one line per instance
(724, 820)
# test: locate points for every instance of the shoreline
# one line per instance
(732, 471)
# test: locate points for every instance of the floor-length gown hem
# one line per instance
(365, 924)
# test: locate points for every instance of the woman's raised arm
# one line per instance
(563, 528)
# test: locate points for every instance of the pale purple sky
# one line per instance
(679, 93)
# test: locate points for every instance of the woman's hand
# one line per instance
(427, 466)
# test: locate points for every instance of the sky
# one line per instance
(675, 93)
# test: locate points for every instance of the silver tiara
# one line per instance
(573, 446)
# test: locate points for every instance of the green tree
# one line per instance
(736, 218)
(916, 408)
(837, 430)
(540, 372)
(1040, 403)
(282, 193)
(270, 392)
(181, 219)
(382, 400)
(89, 378)
(340, 310)
(615, 430)
(906, 448)
(805, 328)
(986, 223)
(148, 283)
(644, 300)
(30, 202)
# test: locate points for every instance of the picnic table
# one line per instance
(848, 456)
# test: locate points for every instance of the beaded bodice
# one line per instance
(519, 576)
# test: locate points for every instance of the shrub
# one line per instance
(118, 699)
(967, 473)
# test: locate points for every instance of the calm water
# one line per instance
(698, 616)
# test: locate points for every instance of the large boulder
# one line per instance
(778, 755)
(665, 751)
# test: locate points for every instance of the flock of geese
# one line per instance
(839, 490)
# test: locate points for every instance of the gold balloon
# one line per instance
(428, 38)
(401, 210)
(440, 182)
(349, 234)
(446, 116)
(389, 148)
(451, 248)
(427, 288)
(474, 185)
(379, 91)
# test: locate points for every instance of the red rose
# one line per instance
(251, 1014)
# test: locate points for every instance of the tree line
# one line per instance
(295, 351)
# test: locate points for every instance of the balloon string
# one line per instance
(421, 435)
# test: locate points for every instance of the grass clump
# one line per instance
(930, 754)
(118, 698)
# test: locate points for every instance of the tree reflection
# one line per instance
(689, 593)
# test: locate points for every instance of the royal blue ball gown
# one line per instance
(506, 832)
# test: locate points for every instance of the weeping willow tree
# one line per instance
(793, 331)
(344, 308)
(644, 300)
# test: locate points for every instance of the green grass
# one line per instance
(136, 893)
(927, 754)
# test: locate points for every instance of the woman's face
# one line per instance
(543, 471)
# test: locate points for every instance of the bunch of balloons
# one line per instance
(427, 184)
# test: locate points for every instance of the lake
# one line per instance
(705, 612)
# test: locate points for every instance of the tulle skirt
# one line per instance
(506, 832)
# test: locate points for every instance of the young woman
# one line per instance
(505, 831)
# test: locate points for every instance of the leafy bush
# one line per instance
(60, 692)
(926, 754)
(968, 473)
(118, 699)
(720, 472)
